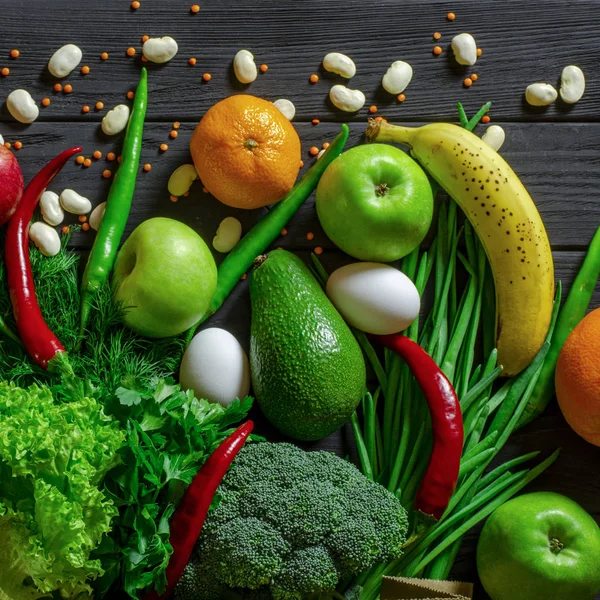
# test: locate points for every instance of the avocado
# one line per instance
(308, 371)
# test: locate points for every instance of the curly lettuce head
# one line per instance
(53, 457)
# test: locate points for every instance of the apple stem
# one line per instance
(382, 189)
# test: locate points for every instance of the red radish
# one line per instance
(11, 184)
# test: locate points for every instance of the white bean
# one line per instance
(346, 99)
(572, 84)
(465, 49)
(397, 77)
(181, 180)
(64, 60)
(228, 235)
(343, 65)
(115, 120)
(51, 209)
(494, 137)
(22, 107)
(97, 216)
(74, 203)
(540, 94)
(1, 140)
(286, 107)
(160, 50)
(45, 238)
(245, 67)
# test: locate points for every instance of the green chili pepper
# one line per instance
(266, 231)
(118, 205)
(573, 310)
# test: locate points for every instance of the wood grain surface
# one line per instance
(555, 150)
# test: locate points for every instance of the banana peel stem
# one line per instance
(382, 131)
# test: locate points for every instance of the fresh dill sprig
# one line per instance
(111, 355)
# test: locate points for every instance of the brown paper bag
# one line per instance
(406, 588)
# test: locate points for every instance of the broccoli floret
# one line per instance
(290, 523)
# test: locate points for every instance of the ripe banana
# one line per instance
(507, 222)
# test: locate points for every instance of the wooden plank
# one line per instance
(559, 163)
(292, 38)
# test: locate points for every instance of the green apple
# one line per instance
(165, 277)
(540, 546)
(375, 203)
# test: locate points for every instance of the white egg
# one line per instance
(373, 297)
(216, 367)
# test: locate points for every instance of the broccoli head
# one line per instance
(289, 524)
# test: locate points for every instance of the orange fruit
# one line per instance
(246, 153)
(578, 378)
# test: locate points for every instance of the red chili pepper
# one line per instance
(39, 341)
(441, 476)
(190, 515)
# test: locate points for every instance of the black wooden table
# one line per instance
(556, 150)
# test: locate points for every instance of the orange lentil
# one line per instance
(87, 163)
(5, 72)
(14, 53)
(372, 108)
(192, 61)
(173, 134)
(244, 276)
(301, 163)
(313, 151)
(57, 87)
(119, 159)
(135, 5)
(111, 156)
(318, 250)
(176, 125)
(401, 97)
(130, 95)
(97, 154)
(474, 77)
(314, 78)
(205, 190)
(130, 51)
(186, 194)
(82, 218)
(437, 35)
(264, 68)
(145, 38)
(284, 231)
(325, 145)
(106, 173)
(310, 236)
(65, 229)
(18, 145)
(85, 227)
(68, 88)
(104, 56)
(45, 101)
(195, 8)
(79, 160)
(486, 119)
(206, 77)
(147, 167)
(99, 105)
(144, 59)
(85, 108)
(164, 147)
(85, 70)
(173, 198)
(7, 145)
(467, 82)
(479, 51)
(451, 16)
(437, 50)
(315, 121)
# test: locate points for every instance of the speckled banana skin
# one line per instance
(508, 224)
